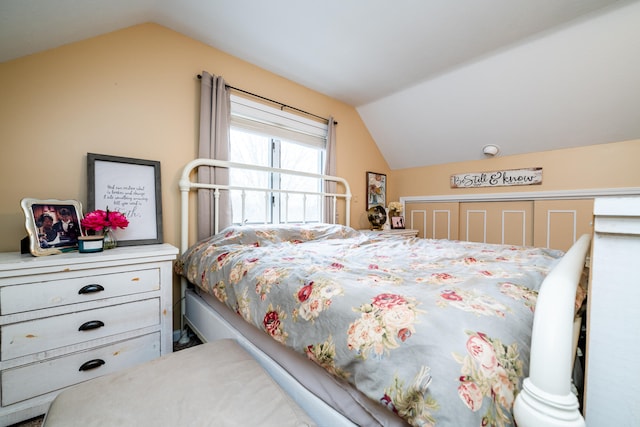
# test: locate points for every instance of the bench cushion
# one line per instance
(213, 384)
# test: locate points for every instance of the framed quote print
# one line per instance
(131, 187)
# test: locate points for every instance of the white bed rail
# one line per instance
(546, 398)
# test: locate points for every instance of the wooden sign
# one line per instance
(531, 176)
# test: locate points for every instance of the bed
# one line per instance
(364, 328)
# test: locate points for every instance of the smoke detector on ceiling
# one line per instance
(491, 150)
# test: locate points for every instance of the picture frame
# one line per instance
(397, 222)
(53, 225)
(376, 189)
(129, 186)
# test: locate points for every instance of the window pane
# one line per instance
(251, 148)
(254, 148)
(298, 208)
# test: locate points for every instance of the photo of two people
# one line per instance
(57, 225)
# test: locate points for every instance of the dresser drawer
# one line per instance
(33, 380)
(20, 339)
(42, 293)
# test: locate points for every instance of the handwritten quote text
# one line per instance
(128, 200)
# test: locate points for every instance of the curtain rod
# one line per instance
(273, 101)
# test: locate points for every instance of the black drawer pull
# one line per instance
(91, 324)
(91, 364)
(90, 289)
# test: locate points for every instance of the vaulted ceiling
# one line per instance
(433, 80)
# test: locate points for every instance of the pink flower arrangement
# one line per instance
(101, 220)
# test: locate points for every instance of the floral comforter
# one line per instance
(436, 330)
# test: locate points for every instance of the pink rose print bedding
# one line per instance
(437, 331)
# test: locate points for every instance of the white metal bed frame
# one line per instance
(546, 398)
(187, 185)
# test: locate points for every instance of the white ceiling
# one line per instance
(434, 80)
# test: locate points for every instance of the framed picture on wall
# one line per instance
(131, 187)
(376, 189)
(53, 225)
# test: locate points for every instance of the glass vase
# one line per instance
(110, 240)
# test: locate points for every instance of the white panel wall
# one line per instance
(613, 347)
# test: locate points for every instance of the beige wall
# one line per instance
(134, 93)
(611, 165)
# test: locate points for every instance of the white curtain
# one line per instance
(215, 116)
(330, 169)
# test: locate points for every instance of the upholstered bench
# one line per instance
(213, 384)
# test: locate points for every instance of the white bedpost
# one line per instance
(347, 207)
(546, 399)
(185, 188)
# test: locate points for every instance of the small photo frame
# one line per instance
(397, 222)
(131, 187)
(53, 225)
(376, 189)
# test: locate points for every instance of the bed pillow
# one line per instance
(263, 235)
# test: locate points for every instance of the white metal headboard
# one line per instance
(186, 185)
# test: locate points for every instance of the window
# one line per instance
(262, 135)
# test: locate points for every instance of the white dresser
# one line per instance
(613, 348)
(68, 318)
